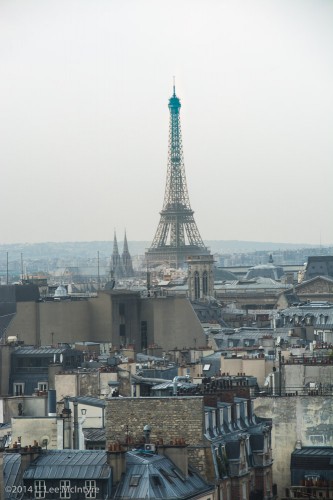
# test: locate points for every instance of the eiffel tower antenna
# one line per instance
(177, 236)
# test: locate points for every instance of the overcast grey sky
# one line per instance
(84, 89)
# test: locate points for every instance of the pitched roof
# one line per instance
(149, 475)
(69, 464)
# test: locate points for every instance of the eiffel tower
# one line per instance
(177, 236)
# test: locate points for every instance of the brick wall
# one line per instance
(169, 418)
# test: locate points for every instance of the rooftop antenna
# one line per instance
(174, 85)
(98, 279)
(22, 275)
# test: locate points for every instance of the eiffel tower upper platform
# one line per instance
(177, 236)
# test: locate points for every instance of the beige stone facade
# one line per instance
(200, 276)
(256, 367)
(28, 430)
(121, 318)
(304, 420)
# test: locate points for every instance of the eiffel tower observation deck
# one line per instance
(177, 236)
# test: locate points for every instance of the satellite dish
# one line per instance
(44, 441)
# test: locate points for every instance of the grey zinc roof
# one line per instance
(316, 310)
(158, 477)
(255, 284)
(69, 464)
(11, 467)
(89, 401)
(41, 350)
(169, 385)
(94, 434)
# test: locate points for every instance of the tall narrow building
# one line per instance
(116, 263)
(127, 260)
(121, 265)
(177, 236)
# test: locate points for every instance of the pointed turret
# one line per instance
(127, 259)
(116, 261)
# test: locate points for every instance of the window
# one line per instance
(40, 489)
(18, 389)
(166, 475)
(121, 309)
(65, 491)
(90, 488)
(135, 479)
(205, 283)
(144, 334)
(122, 333)
(196, 285)
(42, 386)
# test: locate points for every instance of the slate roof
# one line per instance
(254, 284)
(11, 467)
(265, 271)
(155, 477)
(316, 310)
(4, 322)
(89, 401)
(91, 434)
(169, 385)
(69, 464)
(311, 460)
(27, 351)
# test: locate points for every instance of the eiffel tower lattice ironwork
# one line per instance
(177, 236)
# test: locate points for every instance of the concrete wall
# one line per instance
(35, 429)
(296, 376)
(32, 406)
(66, 384)
(258, 368)
(172, 322)
(90, 383)
(34, 322)
(169, 418)
(307, 419)
(100, 310)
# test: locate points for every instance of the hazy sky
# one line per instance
(84, 89)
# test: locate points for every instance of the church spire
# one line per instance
(116, 262)
(127, 259)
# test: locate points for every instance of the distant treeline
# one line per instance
(89, 249)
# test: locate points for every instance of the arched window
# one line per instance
(205, 283)
(196, 285)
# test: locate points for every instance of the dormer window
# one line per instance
(237, 411)
(206, 422)
(135, 479)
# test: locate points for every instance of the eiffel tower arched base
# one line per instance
(173, 257)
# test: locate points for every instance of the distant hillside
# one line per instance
(89, 249)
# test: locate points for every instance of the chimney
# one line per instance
(177, 452)
(116, 460)
(51, 403)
